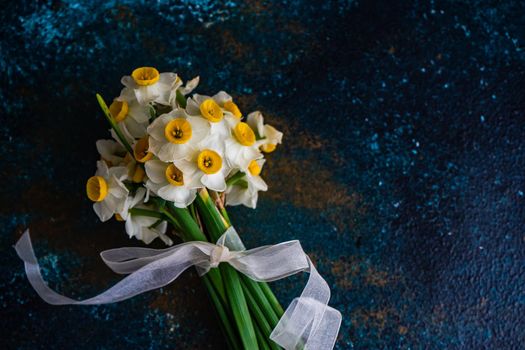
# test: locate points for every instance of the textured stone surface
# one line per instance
(402, 171)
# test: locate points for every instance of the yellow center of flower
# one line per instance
(119, 110)
(254, 168)
(210, 162)
(145, 76)
(268, 148)
(244, 134)
(178, 131)
(233, 109)
(96, 188)
(138, 175)
(141, 150)
(174, 175)
(211, 111)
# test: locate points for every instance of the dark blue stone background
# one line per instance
(402, 170)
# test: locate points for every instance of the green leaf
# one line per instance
(181, 100)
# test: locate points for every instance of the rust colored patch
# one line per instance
(375, 319)
(346, 269)
(231, 45)
(377, 278)
(256, 6)
(402, 330)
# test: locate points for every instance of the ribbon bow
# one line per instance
(308, 322)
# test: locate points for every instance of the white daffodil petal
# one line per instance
(258, 183)
(129, 82)
(139, 113)
(272, 134)
(170, 151)
(156, 171)
(119, 172)
(102, 169)
(180, 195)
(221, 97)
(186, 166)
(135, 129)
(256, 121)
(190, 86)
(214, 182)
(156, 129)
(103, 212)
(200, 128)
(111, 151)
(192, 108)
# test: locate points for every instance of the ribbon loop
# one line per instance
(308, 323)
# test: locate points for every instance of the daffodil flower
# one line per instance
(210, 109)
(241, 147)
(151, 86)
(126, 110)
(174, 135)
(111, 151)
(144, 228)
(246, 190)
(206, 166)
(268, 136)
(107, 190)
(169, 183)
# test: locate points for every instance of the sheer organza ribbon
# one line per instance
(308, 322)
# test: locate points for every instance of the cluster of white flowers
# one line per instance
(180, 144)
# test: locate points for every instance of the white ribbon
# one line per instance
(308, 322)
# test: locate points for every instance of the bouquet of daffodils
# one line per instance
(179, 160)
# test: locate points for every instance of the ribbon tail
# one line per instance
(25, 251)
(308, 322)
(155, 274)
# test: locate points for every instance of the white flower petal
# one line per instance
(156, 171)
(258, 183)
(111, 151)
(221, 97)
(200, 128)
(179, 195)
(135, 129)
(103, 212)
(172, 151)
(256, 121)
(214, 182)
(156, 129)
(272, 134)
(129, 82)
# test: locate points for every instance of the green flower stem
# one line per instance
(234, 291)
(261, 339)
(259, 316)
(113, 124)
(191, 232)
(232, 337)
(239, 306)
(260, 299)
(276, 306)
